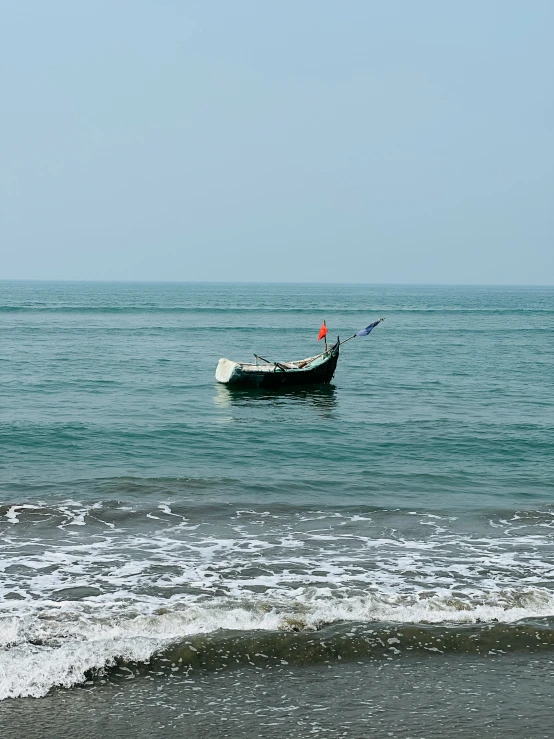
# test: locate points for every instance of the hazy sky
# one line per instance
(305, 140)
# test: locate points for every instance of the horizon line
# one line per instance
(269, 282)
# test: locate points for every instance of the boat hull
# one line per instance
(276, 376)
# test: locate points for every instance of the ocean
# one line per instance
(371, 558)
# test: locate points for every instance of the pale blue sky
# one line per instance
(301, 140)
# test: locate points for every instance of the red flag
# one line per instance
(322, 331)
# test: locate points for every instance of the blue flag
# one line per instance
(368, 329)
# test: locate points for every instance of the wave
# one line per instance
(255, 308)
(57, 647)
(135, 499)
(172, 585)
(346, 642)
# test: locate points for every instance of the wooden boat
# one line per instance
(310, 371)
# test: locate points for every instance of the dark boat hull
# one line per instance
(278, 377)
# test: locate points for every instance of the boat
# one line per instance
(318, 369)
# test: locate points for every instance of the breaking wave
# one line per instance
(93, 592)
(62, 645)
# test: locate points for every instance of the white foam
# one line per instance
(12, 513)
(168, 578)
(32, 673)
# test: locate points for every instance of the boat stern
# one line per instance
(224, 371)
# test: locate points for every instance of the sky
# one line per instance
(300, 140)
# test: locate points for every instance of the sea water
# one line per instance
(366, 558)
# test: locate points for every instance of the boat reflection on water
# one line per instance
(322, 398)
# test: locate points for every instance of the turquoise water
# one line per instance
(448, 403)
(149, 514)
